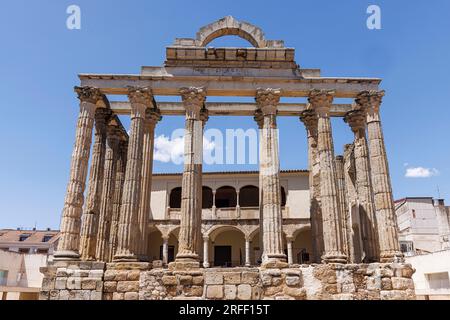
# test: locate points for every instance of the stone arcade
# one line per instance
(105, 246)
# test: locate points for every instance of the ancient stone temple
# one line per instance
(328, 232)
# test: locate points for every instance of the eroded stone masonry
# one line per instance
(348, 247)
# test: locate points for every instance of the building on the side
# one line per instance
(424, 234)
(22, 254)
(424, 225)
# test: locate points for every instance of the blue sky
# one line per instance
(40, 59)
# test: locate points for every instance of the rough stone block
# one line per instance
(80, 273)
(169, 280)
(270, 291)
(121, 275)
(96, 274)
(118, 296)
(232, 278)
(96, 295)
(244, 292)
(60, 284)
(373, 283)
(109, 275)
(214, 292)
(74, 283)
(402, 283)
(88, 284)
(80, 295)
(277, 281)
(393, 295)
(230, 292)
(185, 280)
(194, 291)
(292, 281)
(198, 280)
(133, 275)
(386, 284)
(131, 296)
(127, 286)
(297, 293)
(266, 280)
(54, 294)
(110, 286)
(213, 278)
(249, 277)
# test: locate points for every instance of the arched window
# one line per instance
(283, 197)
(175, 198)
(249, 197)
(226, 197)
(207, 198)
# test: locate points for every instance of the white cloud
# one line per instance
(167, 150)
(420, 172)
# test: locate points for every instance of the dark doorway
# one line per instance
(222, 256)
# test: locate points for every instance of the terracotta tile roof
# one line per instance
(34, 236)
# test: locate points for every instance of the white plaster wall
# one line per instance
(431, 263)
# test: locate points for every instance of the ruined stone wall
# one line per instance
(96, 281)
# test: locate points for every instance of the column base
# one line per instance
(125, 258)
(275, 261)
(186, 261)
(334, 258)
(66, 256)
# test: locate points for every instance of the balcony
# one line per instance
(235, 213)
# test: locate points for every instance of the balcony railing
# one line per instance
(247, 213)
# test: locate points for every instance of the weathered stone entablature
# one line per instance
(326, 233)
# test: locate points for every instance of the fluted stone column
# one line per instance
(310, 120)
(272, 220)
(353, 236)
(290, 250)
(128, 229)
(259, 119)
(89, 226)
(191, 199)
(152, 117)
(332, 230)
(206, 252)
(118, 190)
(106, 205)
(384, 202)
(165, 250)
(357, 121)
(342, 201)
(247, 252)
(69, 242)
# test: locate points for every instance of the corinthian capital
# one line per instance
(153, 115)
(268, 100)
(193, 96)
(309, 118)
(193, 101)
(321, 100)
(356, 119)
(89, 94)
(142, 96)
(370, 100)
